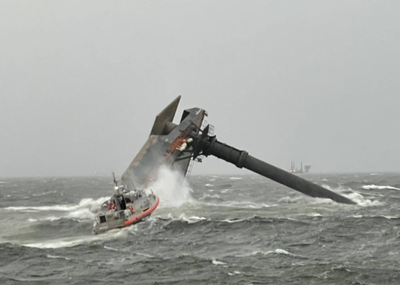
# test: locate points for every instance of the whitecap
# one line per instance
(144, 254)
(391, 217)
(234, 273)
(361, 201)
(355, 197)
(57, 257)
(81, 214)
(216, 262)
(288, 199)
(234, 221)
(192, 219)
(235, 178)
(282, 251)
(84, 203)
(110, 248)
(43, 208)
(205, 196)
(51, 218)
(74, 241)
(275, 251)
(314, 215)
(369, 187)
(55, 244)
(44, 193)
(243, 205)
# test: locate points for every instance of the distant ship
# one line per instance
(293, 168)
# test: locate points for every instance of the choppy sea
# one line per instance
(216, 230)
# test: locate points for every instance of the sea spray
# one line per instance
(172, 188)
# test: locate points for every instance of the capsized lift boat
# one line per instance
(175, 147)
(167, 146)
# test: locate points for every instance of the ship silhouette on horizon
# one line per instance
(293, 168)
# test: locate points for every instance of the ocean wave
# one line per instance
(362, 201)
(375, 217)
(274, 251)
(184, 218)
(235, 178)
(43, 208)
(369, 187)
(232, 221)
(314, 215)
(209, 196)
(239, 205)
(236, 272)
(75, 241)
(288, 199)
(144, 254)
(217, 262)
(308, 199)
(248, 205)
(81, 214)
(56, 244)
(197, 220)
(84, 203)
(358, 198)
(57, 257)
(78, 215)
(44, 193)
(110, 248)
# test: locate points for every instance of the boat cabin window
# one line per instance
(102, 219)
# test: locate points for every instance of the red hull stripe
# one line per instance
(142, 215)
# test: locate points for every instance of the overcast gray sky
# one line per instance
(314, 81)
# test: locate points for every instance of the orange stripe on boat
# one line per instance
(142, 215)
